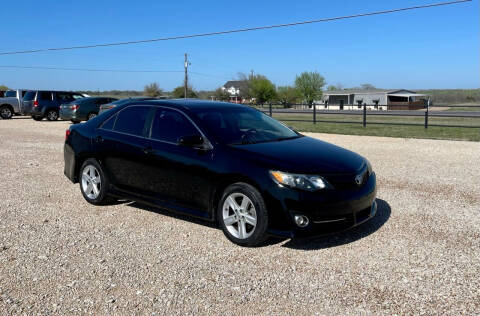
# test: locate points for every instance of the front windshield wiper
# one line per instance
(249, 142)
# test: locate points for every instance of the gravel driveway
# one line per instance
(60, 255)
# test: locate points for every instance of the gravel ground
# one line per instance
(60, 255)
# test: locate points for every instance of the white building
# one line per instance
(353, 99)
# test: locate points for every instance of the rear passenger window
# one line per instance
(64, 97)
(132, 120)
(45, 96)
(169, 125)
(108, 124)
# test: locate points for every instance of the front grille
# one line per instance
(347, 181)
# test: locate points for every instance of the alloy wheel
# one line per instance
(52, 116)
(91, 182)
(239, 215)
(5, 112)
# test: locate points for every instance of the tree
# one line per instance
(367, 86)
(287, 95)
(310, 85)
(152, 90)
(179, 92)
(222, 94)
(338, 86)
(262, 89)
(3, 87)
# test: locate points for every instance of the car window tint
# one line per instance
(45, 96)
(108, 124)
(23, 93)
(64, 97)
(169, 125)
(11, 94)
(29, 96)
(102, 101)
(132, 120)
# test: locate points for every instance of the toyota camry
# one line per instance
(222, 162)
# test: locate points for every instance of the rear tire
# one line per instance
(6, 112)
(74, 122)
(94, 183)
(37, 118)
(52, 115)
(242, 215)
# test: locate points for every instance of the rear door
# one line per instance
(121, 144)
(46, 100)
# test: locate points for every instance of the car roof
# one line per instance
(192, 104)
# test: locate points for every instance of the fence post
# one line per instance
(364, 115)
(426, 118)
(314, 114)
(270, 108)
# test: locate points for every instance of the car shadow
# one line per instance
(345, 237)
(165, 212)
(312, 243)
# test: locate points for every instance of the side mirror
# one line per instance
(191, 141)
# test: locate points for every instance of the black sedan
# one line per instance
(222, 162)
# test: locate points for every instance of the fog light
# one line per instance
(301, 220)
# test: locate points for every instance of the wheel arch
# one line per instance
(9, 106)
(224, 183)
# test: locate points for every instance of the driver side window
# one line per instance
(170, 125)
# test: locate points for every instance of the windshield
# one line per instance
(11, 93)
(240, 126)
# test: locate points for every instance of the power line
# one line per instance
(112, 70)
(89, 69)
(237, 30)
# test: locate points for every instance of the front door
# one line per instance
(180, 175)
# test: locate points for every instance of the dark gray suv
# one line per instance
(42, 103)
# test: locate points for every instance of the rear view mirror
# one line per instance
(191, 141)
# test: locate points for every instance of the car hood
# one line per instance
(303, 155)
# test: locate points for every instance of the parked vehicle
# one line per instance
(11, 103)
(41, 104)
(83, 109)
(222, 162)
(2, 93)
(108, 106)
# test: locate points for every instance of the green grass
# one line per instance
(462, 109)
(452, 133)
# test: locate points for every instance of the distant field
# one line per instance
(453, 133)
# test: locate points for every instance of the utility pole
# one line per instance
(186, 75)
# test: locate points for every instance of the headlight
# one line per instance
(299, 181)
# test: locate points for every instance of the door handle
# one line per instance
(99, 139)
(147, 150)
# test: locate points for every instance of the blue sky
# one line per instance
(427, 48)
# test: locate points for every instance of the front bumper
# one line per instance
(327, 211)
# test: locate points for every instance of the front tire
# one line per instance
(242, 215)
(94, 183)
(52, 115)
(6, 112)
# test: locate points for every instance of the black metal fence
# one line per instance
(366, 112)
